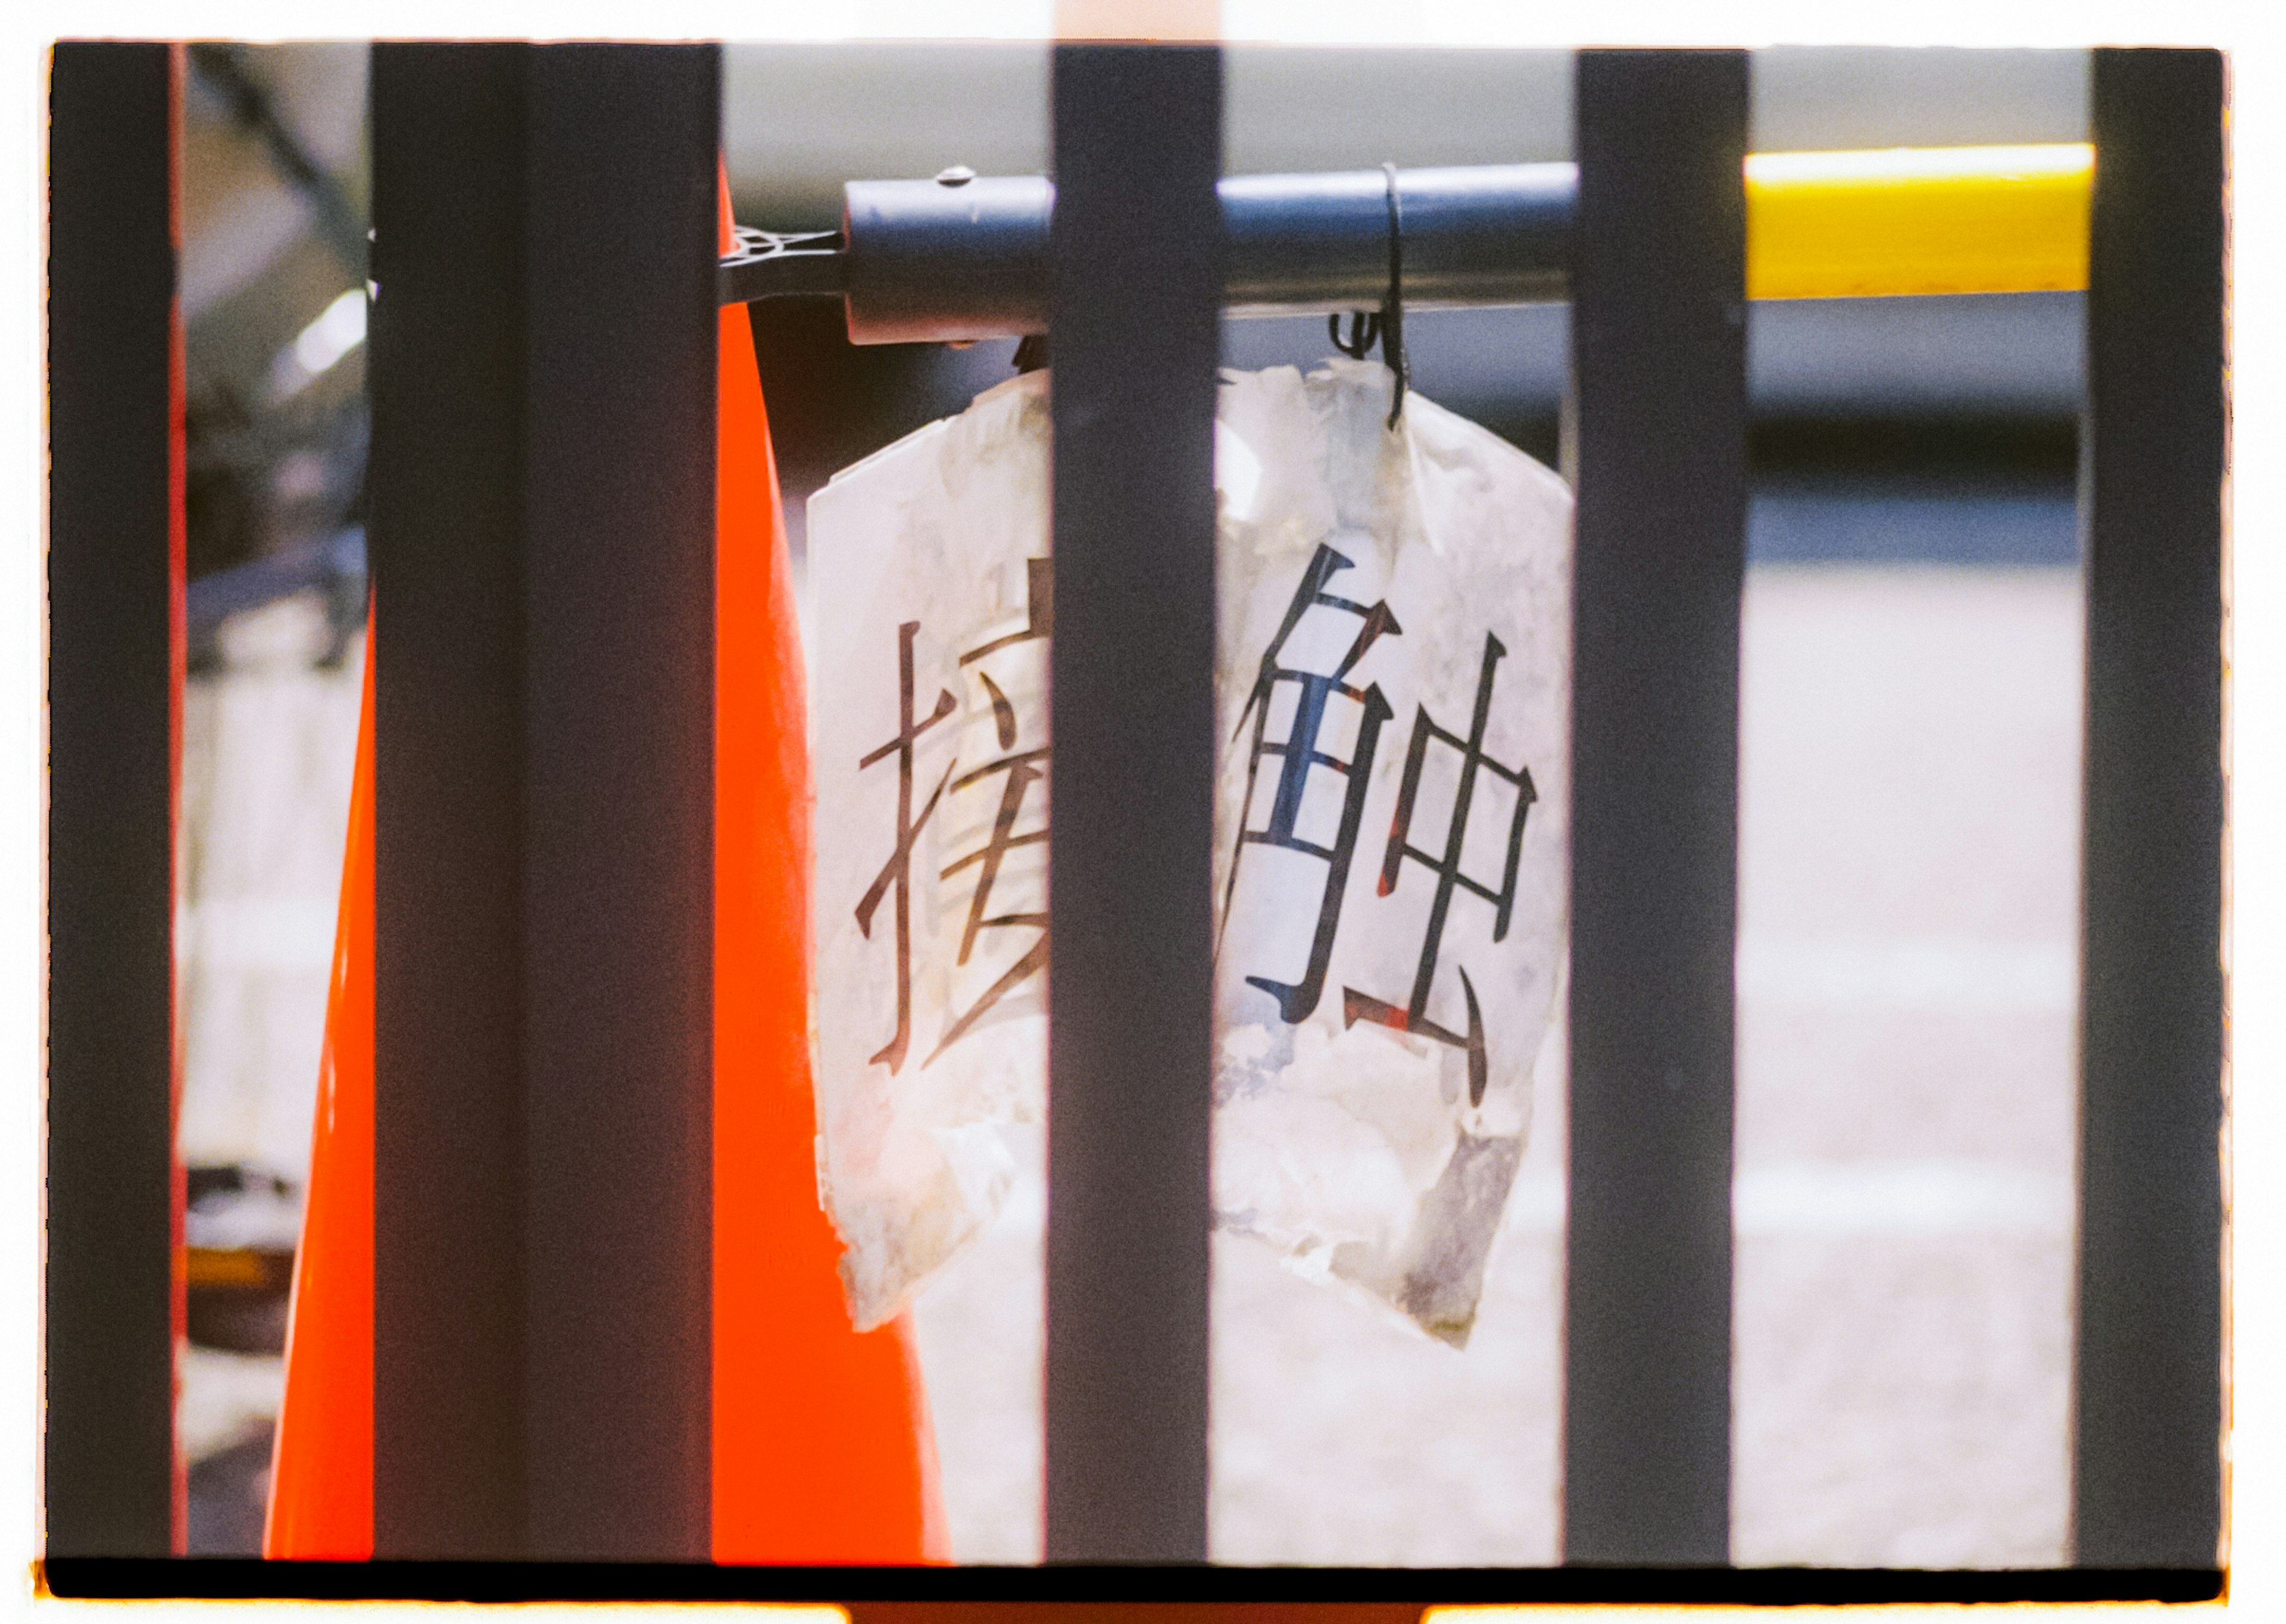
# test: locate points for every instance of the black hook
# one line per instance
(1365, 328)
(1387, 324)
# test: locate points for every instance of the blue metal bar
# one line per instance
(966, 257)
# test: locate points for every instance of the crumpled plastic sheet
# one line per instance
(1393, 694)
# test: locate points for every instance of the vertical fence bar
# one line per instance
(542, 533)
(1134, 322)
(1658, 358)
(114, 651)
(2147, 1480)
(618, 904)
(445, 533)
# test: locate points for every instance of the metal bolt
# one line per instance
(958, 175)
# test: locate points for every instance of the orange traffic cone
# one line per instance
(822, 1451)
(822, 1448)
(321, 1477)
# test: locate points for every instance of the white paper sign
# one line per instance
(1393, 694)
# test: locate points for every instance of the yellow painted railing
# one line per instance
(1918, 220)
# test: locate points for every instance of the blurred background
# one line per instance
(1909, 821)
(273, 296)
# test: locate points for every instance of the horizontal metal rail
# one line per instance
(965, 257)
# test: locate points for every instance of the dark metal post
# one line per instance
(446, 534)
(620, 339)
(543, 534)
(114, 602)
(1659, 357)
(1134, 302)
(2147, 1478)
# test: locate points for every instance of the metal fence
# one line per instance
(542, 384)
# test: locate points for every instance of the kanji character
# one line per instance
(897, 872)
(1412, 1016)
(1024, 767)
(1297, 753)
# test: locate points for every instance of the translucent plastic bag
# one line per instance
(1393, 694)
